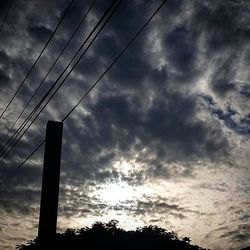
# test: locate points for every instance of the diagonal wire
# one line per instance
(9, 149)
(5, 15)
(37, 59)
(102, 75)
(25, 122)
(40, 85)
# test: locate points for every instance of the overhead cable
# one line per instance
(37, 59)
(3, 143)
(102, 75)
(9, 148)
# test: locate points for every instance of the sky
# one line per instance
(163, 139)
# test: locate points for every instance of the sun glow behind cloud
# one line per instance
(115, 193)
(118, 191)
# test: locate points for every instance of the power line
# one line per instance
(37, 59)
(6, 14)
(102, 75)
(33, 152)
(25, 122)
(7, 149)
(41, 83)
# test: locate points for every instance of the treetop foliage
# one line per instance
(110, 236)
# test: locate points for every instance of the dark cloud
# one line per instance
(224, 23)
(222, 86)
(147, 109)
(239, 235)
(225, 28)
(4, 58)
(40, 33)
(20, 192)
(168, 128)
(168, 124)
(221, 82)
(245, 90)
(227, 116)
(4, 79)
(181, 48)
(245, 217)
(4, 5)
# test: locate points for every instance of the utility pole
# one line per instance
(50, 182)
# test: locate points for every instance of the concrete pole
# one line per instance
(50, 182)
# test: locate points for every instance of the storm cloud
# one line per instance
(172, 112)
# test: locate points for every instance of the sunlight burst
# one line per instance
(116, 193)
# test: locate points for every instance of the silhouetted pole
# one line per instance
(50, 182)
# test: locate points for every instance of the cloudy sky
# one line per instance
(163, 139)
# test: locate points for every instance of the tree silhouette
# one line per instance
(110, 236)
